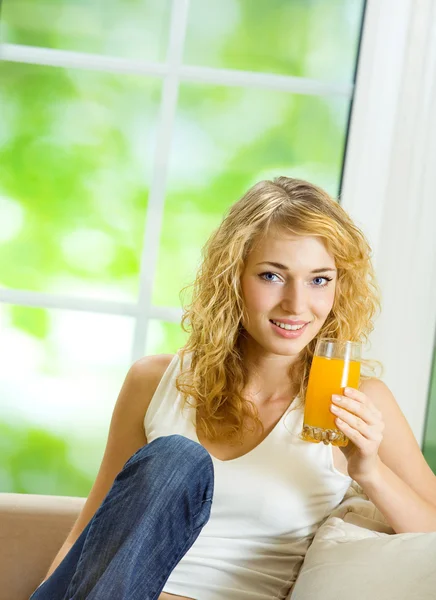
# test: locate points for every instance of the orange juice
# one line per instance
(327, 376)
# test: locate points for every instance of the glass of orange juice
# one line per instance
(335, 365)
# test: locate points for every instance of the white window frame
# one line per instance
(394, 94)
(389, 188)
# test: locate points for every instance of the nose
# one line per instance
(295, 299)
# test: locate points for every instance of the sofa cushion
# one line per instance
(32, 529)
(355, 554)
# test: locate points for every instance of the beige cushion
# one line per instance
(355, 554)
(32, 529)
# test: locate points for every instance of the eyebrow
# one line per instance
(285, 268)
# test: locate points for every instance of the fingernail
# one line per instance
(336, 398)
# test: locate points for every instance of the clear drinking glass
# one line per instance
(335, 365)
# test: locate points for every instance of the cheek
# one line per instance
(249, 293)
(323, 303)
(255, 296)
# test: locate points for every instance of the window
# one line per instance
(125, 135)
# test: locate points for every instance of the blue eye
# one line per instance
(320, 281)
(265, 278)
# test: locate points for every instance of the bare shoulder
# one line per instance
(372, 384)
(149, 370)
(399, 449)
(382, 397)
(384, 400)
(140, 385)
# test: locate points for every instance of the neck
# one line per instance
(268, 375)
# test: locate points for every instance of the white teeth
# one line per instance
(288, 327)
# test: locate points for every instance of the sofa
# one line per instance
(32, 529)
(354, 554)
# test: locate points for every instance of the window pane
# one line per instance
(315, 39)
(164, 337)
(225, 140)
(126, 28)
(75, 165)
(430, 432)
(60, 377)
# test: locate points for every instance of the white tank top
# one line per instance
(266, 508)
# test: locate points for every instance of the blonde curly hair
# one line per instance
(216, 375)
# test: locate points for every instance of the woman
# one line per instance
(220, 497)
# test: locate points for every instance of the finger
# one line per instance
(357, 408)
(352, 420)
(356, 394)
(352, 434)
(361, 397)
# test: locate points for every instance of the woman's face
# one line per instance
(288, 281)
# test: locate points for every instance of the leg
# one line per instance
(150, 518)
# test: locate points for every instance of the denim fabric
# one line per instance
(150, 518)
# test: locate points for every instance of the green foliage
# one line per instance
(128, 28)
(34, 321)
(70, 163)
(304, 38)
(34, 461)
(164, 338)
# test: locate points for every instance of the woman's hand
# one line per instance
(362, 423)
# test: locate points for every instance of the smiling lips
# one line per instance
(289, 329)
(289, 325)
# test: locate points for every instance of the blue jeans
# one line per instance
(150, 518)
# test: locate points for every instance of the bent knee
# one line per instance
(176, 443)
(174, 451)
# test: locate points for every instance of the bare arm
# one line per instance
(403, 487)
(402, 506)
(126, 436)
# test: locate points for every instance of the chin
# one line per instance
(287, 348)
(291, 350)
